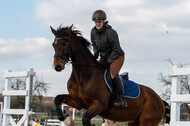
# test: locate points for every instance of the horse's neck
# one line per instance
(83, 62)
(81, 68)
(82, 56)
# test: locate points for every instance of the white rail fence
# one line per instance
(177, 98)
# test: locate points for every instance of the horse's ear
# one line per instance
(69, 29)
(53, 31)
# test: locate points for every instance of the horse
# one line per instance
(87, 88)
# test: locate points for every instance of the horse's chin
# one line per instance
(60, 70)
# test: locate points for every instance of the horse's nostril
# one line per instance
(58, 68)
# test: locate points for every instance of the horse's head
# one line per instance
(62, 48)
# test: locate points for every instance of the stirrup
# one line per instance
(121, 103)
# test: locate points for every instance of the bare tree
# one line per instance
(40, 88)
(166, 81)
(18, 84)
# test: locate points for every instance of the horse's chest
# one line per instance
(84, 98)
(81, 95)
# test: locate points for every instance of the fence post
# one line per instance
(7, 100)
(28, 98)
(1, 109)
(176, 85)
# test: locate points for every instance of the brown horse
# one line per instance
(87, 88)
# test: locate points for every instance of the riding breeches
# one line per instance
(116, 66)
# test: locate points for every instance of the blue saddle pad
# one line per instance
(131, 88)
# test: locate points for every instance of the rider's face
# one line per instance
(99, 24)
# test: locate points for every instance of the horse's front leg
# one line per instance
(67, 99)
(94, 109)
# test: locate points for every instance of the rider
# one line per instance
(105, 42)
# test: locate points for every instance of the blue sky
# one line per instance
(150, 31)
(18, 20)
(18, 23)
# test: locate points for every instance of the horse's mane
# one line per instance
(61, 32)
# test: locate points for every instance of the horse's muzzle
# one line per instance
(59, 68)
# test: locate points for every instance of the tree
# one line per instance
(39, 89)
(185, 87)
(18, 84)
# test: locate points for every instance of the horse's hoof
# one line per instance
(68, 121)
(92, 125)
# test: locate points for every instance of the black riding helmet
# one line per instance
(99, 15)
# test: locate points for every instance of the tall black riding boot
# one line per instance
(120, 91)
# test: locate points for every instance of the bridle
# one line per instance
(68, 51)
(68, 54)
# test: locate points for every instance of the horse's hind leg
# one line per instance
(149, 122)
(94, 109)
(150, 119)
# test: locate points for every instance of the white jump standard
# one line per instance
(177, 98)
(7, 93)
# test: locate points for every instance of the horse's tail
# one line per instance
(167, 112)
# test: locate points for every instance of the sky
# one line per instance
(150, 32)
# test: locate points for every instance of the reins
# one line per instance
(86, 65)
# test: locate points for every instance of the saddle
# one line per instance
(131, 88)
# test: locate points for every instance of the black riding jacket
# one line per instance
(106, 43)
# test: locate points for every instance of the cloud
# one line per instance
(149, 31)
(38, 48)
(65, 12)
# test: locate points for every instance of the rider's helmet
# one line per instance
(99, 15)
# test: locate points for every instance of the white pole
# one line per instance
(7, 100)
(1, 109)
(28, 99)
(176, 85)
(73, 113)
